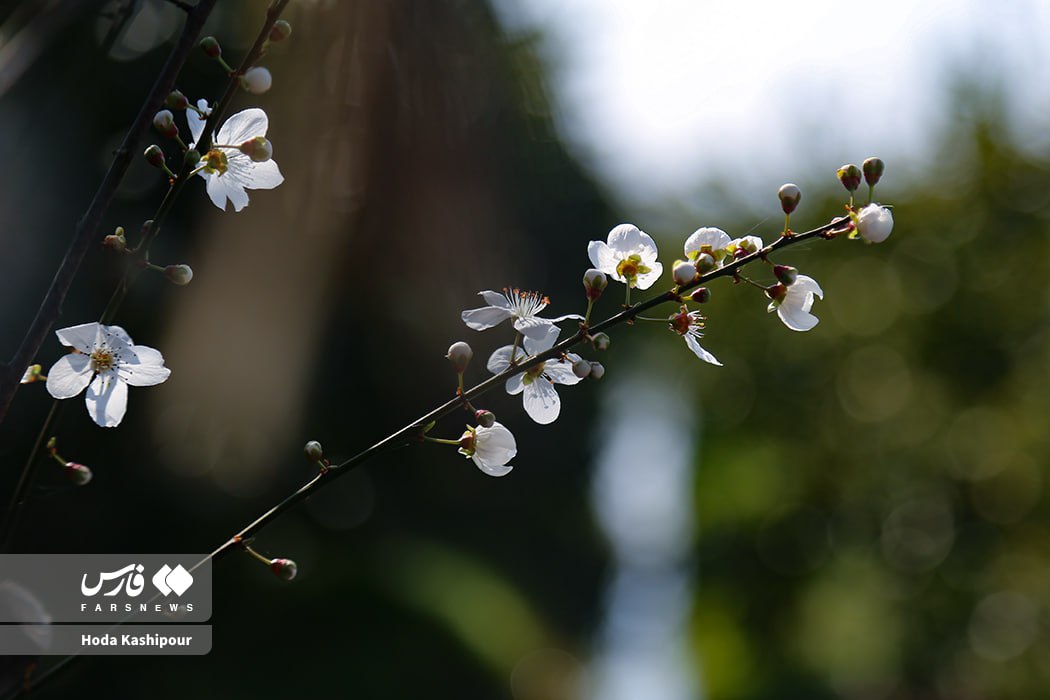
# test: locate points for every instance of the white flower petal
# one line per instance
(107, 400)
(196, 122)
(627, 238)
(604, 258)
(499, 360)
(704, 355)
(541, 401)
(708, 235)
(534, 327)
(485, 317)
(560, 372)
(495, 299)
(494, 447)
(144, 368)
(263, 176)
(516, 384)
(534, 346)
(82, 337)
(69, 376)
(804, 283)
(242, 126)
(796, 318)
(645, 281)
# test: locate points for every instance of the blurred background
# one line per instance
(856, 512)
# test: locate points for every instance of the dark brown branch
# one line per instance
(414, 429)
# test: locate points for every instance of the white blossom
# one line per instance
(491, 448)
(105, 362)
(536, 385)
(228, 170)
(794, 303)
(710, 240)
(875, 223)
(523, 307)
(690, 325)
(628, 255)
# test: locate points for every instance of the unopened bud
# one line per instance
(259, 149)
(581, 368)
(154, 156)
(116, 241)
(77, 473)
(601, 341)
(280, 30)
(256, 80)
(597, 370)
(486, 419)
(875, 223)
(179, 274)
(176, 100)
(313, 451)
(284, 568)
(701, 295)
(594, 282)
(33, 373)
(210, 46)
(785, 274)
(849, 176)
(192, 158)
(164, 123)
(705, 262)
(790, 195)
(873, 169)
(684, 272)
(459, 354)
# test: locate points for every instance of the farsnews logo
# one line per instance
(130, 580)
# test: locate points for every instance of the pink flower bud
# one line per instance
(210, 46)
(179, 274)
(485, 419)
(176, 100)
(701, 295)
(873, 169)
(77, 473)
(597, 370)
(459, 354)
(280, 31)
(594, 282)
(284, 568)
(313, 451)
(259, 149)
(164, 123)
(256, 80)
(790, 195)
(154, 156)
(849, 176)
(785, 274)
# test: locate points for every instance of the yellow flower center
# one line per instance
(215, 162)
(630, 267)
(101, 360)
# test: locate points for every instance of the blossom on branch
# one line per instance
(628, 255)
(713, 241)
(523, 307)
(793, 303)
(540, 399)
(234, 163)
(875, 223)
(490, 448)
(690, 325)
(105, 361)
